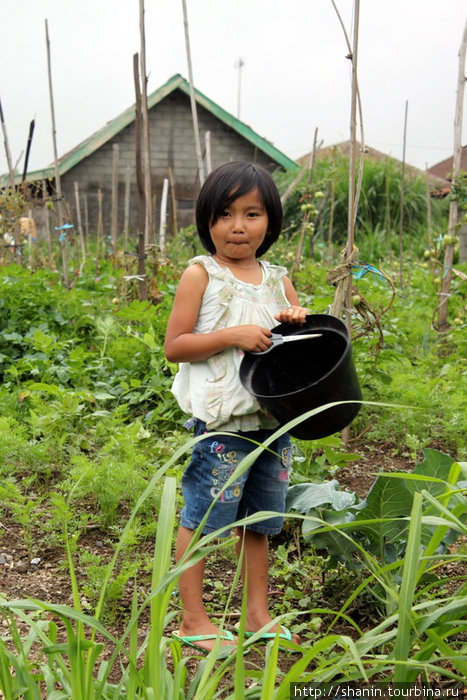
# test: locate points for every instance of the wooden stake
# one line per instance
(11, 170)
(429, 227)
(114, 205)
(126, 218)
(294, 183)
(331, 217)
(86, 217)
(401, 213)
(163, 225)
(28, 150)
(173, 199)
(342, 274)
(47, 223)
(58, 185)
(192, 98)
(306, 216)
(148, 221)
(207, 148)
(100, 227)
(443, 325)
(388, 212)
(143, 294)
(80, 226)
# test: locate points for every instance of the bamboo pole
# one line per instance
(148, 220)
(80, 225)
(163, 223)
(11, 170)
(207, 149)
(443, 325)
(100, 227)
(47, 223)
(402, 196)
(173, 200)
(194, 113)
(28, 149)
(429, 225)
(141, 255)
(331, 217)
(58, 185)
(388, 212)
(86, 217)
(341, 276)
(114, 204)
(126, 215)
(306, 216)
(294, 182)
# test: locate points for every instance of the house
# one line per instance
(173, 156)
(444, 168)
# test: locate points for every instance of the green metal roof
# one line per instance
(112, 128)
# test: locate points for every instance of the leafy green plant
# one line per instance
(379, 524)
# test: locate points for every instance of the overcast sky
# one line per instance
(295, 77)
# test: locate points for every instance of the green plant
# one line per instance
(379, 206)
(379, 524)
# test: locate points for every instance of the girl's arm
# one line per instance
(295, 313)
(183, 345)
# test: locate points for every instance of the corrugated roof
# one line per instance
(112, 128)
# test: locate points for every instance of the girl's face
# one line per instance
(241, 228)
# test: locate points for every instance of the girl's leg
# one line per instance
(195, 618)
(256, 562)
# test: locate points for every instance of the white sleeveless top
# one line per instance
(211, 389)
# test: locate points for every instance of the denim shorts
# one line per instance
(263, 486)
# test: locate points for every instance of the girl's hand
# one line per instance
(293, 314)
(250, 337)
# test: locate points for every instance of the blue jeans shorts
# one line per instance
(261, 487)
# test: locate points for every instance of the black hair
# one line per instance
(223, 186)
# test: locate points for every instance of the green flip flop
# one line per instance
(191, 641)
(285, 634)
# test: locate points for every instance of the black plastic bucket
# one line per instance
(297, 376)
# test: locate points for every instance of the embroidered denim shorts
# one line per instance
(263, 486)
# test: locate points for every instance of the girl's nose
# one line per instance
(237, 223)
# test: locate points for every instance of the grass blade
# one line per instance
(409, 579)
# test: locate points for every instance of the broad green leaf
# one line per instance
(304, 497)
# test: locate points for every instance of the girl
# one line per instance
(226, 303)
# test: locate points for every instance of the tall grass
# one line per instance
(69, 654)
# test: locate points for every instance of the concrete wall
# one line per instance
(172, 145)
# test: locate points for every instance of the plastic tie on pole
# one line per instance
(64, 230)
(134, 277)
(359, 269)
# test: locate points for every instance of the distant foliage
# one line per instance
(379, 203)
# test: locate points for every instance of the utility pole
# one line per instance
(239, 65)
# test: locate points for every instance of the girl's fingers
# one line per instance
(293, 314)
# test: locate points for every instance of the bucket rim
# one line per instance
(250, 356)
